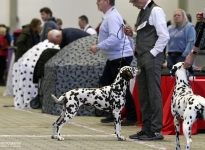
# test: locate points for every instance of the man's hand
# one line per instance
(93, 49)
(128, 31)
(189, 60)
(199, 17)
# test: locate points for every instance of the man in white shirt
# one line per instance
(84, 24)
(152, 37)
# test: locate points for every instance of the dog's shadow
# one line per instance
(90, 138)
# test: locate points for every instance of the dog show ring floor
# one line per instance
(30, 129)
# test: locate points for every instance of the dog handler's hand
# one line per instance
(128, 31)
(93, 49)
(189, 60)
(199, 16)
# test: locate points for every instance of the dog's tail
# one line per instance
(201, 100)
(57, 100)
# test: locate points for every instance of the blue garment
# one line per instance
(177, 41)
(50, 24)
(71, 34)
(181, 39)
(174, 60)
(110, 46)
(35, 39)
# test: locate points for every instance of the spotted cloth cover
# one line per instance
(72, 67)
(24, 90)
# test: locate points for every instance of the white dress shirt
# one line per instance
(157, 18)
(89, 30)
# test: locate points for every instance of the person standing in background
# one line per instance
(84, 25)
(152, 37)
(3, 54)
(112, 49)
(50, 22)
(28, 37)
(59, 22)
(182, 38)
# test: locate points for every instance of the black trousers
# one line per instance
(2, 67)
(109, 74)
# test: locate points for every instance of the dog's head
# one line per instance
(179, 70)
(128, 72)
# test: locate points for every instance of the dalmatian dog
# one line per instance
(185, 105)
(108, 98)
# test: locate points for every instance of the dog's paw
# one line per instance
(54, 136)
(60, 138)
(121, 138)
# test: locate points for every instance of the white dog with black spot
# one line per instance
(108, 98)
(185, 104)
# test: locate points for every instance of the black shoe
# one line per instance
(108, 119)
(128, 122)
(152, 136)
(136, 136)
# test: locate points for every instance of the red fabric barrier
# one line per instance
(167, 87)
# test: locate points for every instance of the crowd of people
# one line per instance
(179, 42)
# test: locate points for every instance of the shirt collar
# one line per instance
(146, 4)
(86, 27)
(106, 14)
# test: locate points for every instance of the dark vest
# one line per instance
(147, 36)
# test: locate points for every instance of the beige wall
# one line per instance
(195, 6)
(70, 10)
(4, 14)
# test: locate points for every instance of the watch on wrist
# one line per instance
(194, 52)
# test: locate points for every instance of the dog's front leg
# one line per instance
(117, 122)
(177, 129)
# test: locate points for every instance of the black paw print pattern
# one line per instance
(24, 90)
(72, 67)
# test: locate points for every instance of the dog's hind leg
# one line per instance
(53, 136)
(187, 127)
(117, 122)
(177, 129)
(66, 118)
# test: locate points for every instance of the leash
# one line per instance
(123, 36)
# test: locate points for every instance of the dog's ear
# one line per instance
(127, 75)
(173, 70)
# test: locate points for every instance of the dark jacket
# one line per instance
(39, 68)
(71, 34)
(50, 24)
(25, 41)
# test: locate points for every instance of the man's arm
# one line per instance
(159, 22)
(191, 57)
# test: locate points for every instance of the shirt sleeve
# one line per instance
(191, 37)
(158, 19)
(91, 31)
